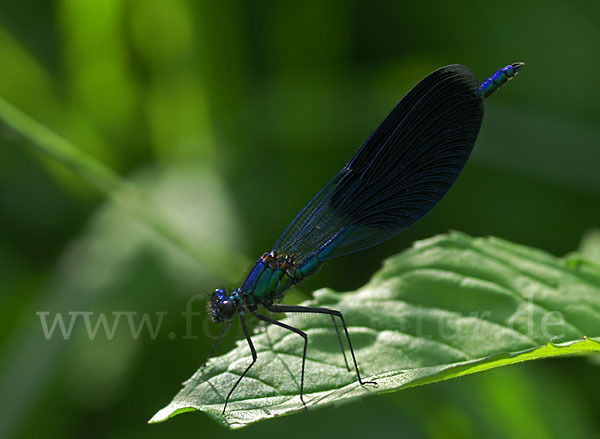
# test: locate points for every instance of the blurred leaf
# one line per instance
(177, 102)
(450, 306)
(96, 58)
(28, 85)
(123, 192)
(97, 25)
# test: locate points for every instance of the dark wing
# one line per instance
(398, 175)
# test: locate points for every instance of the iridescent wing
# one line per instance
(399, 173)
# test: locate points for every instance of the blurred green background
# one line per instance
(230, 115)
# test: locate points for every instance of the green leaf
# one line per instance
(590, 245)
(449, 306)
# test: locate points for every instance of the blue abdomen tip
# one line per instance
(498, 79)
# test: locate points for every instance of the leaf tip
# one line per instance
(170, 411)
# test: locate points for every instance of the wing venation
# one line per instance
(398, 175)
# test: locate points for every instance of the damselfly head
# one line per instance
(221, 306)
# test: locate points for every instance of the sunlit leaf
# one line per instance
(450, 306)
(590, 246)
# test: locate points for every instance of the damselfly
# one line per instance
(397, 176)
